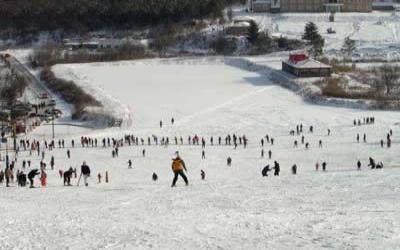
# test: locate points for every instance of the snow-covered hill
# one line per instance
(235, 207)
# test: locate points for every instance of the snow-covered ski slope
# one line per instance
(234, 208)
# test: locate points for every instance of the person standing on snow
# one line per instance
(359, 165)
(294, 169)
(129, 164)
(277, 168)
(229, 161)
(43, 178)
(85, 172)
(8, 173)
(178, 167)
(1, 176)
(52, 163)
(324, 166)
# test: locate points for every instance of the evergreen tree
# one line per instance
(312, 35)
(253, 32)
(348, 47)
(310, 32)
(283, 42)
(318, 46)
(262, 44)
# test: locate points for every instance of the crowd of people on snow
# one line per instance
(364, 121)
(178, 165)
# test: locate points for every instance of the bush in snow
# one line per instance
(70, 92)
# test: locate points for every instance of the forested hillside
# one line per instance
(34, 15)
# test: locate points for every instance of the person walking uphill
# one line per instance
(178, 167)
(85, 172)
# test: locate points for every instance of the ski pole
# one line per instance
(79, 179)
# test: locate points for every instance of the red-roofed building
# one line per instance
(301, 65)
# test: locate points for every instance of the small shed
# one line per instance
(238, 29)
(260, 5)
(301, 65)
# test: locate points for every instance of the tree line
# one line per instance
(84, 15)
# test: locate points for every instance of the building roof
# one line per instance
(262, 1)
(308, 64)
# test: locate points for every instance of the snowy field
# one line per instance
(235, 207)
(376, 33)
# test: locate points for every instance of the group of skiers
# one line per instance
(364, 120)
(8, 175)
(178, 165)
(172, 122)
(266, 169)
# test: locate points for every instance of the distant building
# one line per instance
(260, 5)
(81, 45)
(385, 4)
(276, 6)
(100, 43)
(300, 65)
(238, 29)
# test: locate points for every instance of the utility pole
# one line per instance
(7, 159)
(14, 131)
(4, 140)
(52, 122)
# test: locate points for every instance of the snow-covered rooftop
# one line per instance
(308, 64)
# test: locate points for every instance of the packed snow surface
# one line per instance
(235, 207)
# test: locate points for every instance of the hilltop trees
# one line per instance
(253, 32)
(311, 34)
(83, 15)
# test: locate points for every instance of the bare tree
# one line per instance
(388, 78)
(348, 47)
(230, 14)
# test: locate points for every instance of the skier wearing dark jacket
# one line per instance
(372, 163)
(324, 166)
(67, 176)
(277, 168)
(294, 169)
(358, 165)
(85, 170)
(265, 171)
(31, 176)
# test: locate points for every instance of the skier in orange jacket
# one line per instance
(178, 167)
